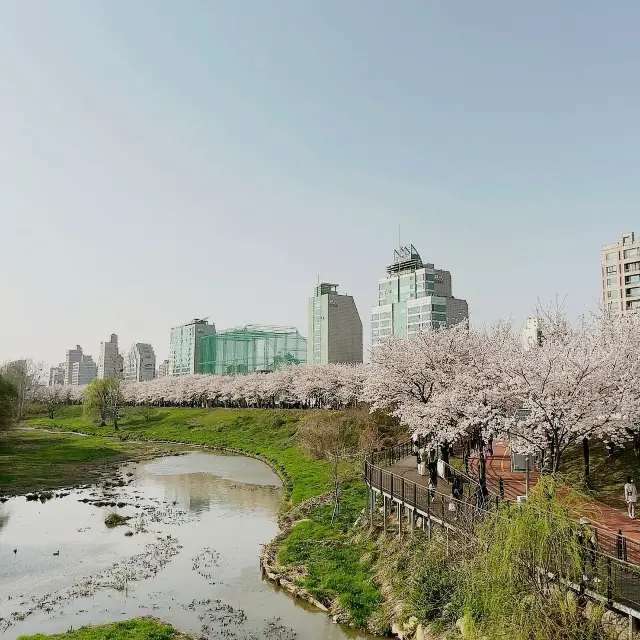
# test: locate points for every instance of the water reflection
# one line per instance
(203, 519)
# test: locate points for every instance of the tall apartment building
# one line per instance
(414, 296)
(532, 333)
(110, 362)
(163, 368)
(57, 374)
(140, 363)
(84, 372)
(621, 274)
(184, 348)
(335, 328)
(73, 356)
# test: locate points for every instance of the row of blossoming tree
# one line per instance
(581, 382)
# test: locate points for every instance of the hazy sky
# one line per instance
(164, 160)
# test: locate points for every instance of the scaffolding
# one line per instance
(251, 349)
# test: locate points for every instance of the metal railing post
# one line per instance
(609, 582)
(619, 544)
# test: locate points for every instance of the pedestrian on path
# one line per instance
(432, 489)
(631, 497)
(422, 463)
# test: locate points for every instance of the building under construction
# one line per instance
(251, 349)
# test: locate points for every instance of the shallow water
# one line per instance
(199, 521)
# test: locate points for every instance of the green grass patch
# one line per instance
(266, 433)
(116, 520)
(338, 566)
(607, 474)
(140, 629)
(37, 460)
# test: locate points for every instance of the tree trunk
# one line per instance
(585, 453)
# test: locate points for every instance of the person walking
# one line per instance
(432, 489)
(422, 464)
(631, 497)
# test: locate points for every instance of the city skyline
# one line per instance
(245, 158)
(368, 341)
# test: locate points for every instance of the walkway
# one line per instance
(408, 469)
(607, 519)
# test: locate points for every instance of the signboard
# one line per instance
(519, 461)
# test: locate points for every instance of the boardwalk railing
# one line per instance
(608, 575)
(616, 545)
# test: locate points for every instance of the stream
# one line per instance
(190, 555)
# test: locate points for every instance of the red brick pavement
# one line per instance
(607, 519)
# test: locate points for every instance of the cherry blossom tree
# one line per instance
(417, 381)
(572, 386)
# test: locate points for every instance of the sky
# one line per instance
(164, 160)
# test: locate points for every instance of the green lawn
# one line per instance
(262, 432)
(337, 564)
(36, 461)
(141, 629)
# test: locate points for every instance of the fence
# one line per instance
(608, 573)
(619, 546)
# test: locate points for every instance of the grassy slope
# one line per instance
(336, 563)
(141, 629)
(607, 473)
(34, 461)
(335, 570)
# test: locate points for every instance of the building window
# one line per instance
(632, 253)
(612, 294)
(612, 269)
(611, 256)
(631, 266)
(634, 291)
(630, 279)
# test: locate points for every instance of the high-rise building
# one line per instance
(414, 296)
(57, 374)
(532, 333)
(621, 274)
(184, 348)
(110, 362)
(250, 349)
(84, 372)
(163, 368)
(335, 328)
(73, 356)
(140, 363)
